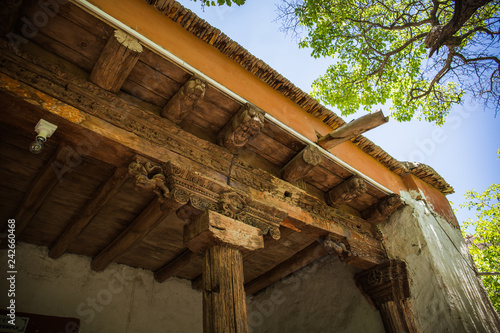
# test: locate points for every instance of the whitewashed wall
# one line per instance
(322, 297)
(120, 299)
(447, 296)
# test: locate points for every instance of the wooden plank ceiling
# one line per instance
(85, 208)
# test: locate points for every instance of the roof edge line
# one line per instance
(110, 19)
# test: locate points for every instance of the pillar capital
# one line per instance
(211, 228)
(388, 289)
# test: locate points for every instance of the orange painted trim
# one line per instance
(155, 26)
(434, 197)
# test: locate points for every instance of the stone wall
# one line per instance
(446, 294)
(119, 299)
(322, 297)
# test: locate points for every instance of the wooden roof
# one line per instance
(213, 36)
(93, 191)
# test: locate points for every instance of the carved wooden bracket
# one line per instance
(383, 209)
(116, 61)
(184, 100)
(243, 127)
(301, 164)
(387, 288)
(188, 187)
(337, 246)
(347, 191)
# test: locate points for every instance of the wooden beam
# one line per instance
(51, 174)
(243, 127)
(346, 192)
(287, 267)
(116, 61)
(301, 164)
(382, 209)
(107, 191)
(175, 266)
(9, 13)
(155, 213)
(179, 106)
(352, 129)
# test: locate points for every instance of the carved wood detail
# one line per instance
(186, 149)
(185, 186)
(116, 61)
(383, 209)
(301, 164)
(243, 127)
(388, 289)
(178, 107)
(336, 245)
(347, 191)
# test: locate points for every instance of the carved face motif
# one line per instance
(251, 122)
(193, 90)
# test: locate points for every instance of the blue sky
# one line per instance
(463, 150)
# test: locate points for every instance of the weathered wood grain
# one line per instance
(352, 129)
(116, 61)
(107, 191)
(175, 266)
(224, 300)
(301, 164)
(40, 189)
(154, 214)
(299, 260)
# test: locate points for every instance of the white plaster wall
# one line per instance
(447, 296)
(322, 297)
(120, 299)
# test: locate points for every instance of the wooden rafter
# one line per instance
(152, 216)
(51, 174)
(287, 267)
(107, 191)
(175, 266)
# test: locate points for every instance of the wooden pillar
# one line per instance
(388, 289)
(221, 240)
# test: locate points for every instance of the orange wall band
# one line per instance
(155, 26)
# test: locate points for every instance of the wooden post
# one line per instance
(221, 240)
(116, 61)
(388, 290)
(352, 129)
(301, 164)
